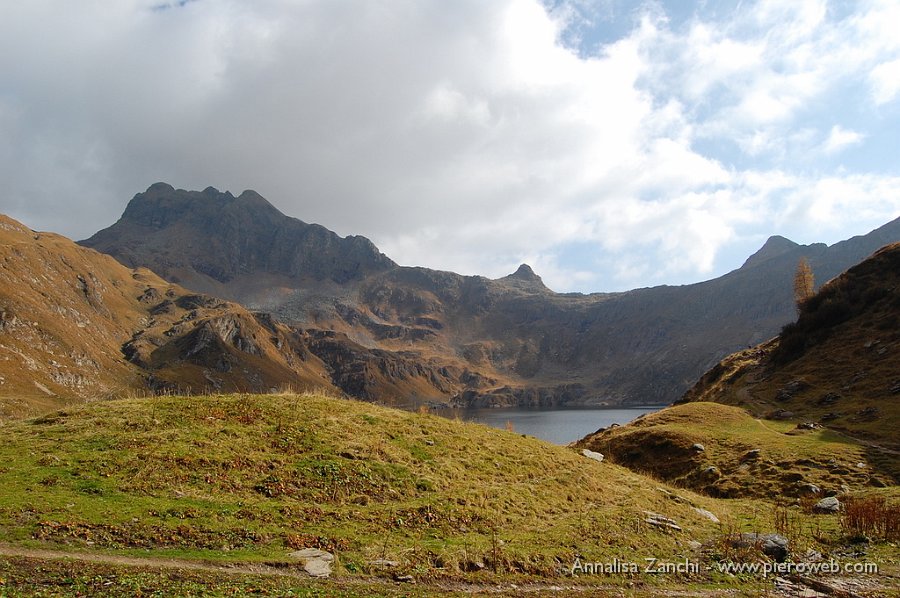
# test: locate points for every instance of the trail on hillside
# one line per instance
(261, 569)
(155, 562)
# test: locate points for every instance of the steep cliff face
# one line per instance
(645, 346)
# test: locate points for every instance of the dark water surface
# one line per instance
(559, 426)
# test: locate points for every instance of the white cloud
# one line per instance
(839, 138)
(885, 80)
(462, 135)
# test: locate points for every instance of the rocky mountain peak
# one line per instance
(524, 278)
(161, 205)
(773, 247)
(221, 237)
(525, 273)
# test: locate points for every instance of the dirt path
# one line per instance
(525, 588)
(840, 588)
(154, 562)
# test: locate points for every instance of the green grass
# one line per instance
(31, 577)
(788, 458)
(249, 478)
(253, 476)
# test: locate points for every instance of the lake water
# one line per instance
(559, 426)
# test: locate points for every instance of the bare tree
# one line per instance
(804, 283)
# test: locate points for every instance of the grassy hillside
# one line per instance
(837, 365)
(244, 479)
(740, 456)
(255, 476)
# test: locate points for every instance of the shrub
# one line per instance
(871, 517)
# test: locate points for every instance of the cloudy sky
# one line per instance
(610, 144)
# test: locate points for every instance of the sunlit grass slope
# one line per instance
(723, 451)
(242, 477)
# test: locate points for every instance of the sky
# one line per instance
(609, 144)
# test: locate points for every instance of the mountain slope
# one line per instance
(75, 323)
(838, 364)
(499, 342)
(816, 407)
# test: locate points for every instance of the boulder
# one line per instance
(808, 488)
(711, 471)
(317, 563)
(706, 514)
(658, 520)
(592, 455)
(772, 545)
(829, 504)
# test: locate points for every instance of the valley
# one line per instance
(159, 439)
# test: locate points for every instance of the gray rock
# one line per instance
(592, 455)
(829, 504)
(771, 545)
(706, 514)
(661, 521)
(711, 471)
(810, 489)
(671, 495)
(317, 563)
(698, 447)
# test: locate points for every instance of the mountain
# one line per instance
(838, 364)
(217, 243)
(74, 323)
(816, 407)
(486, 342)
(77, 324)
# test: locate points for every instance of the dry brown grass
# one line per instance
(871, 517)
